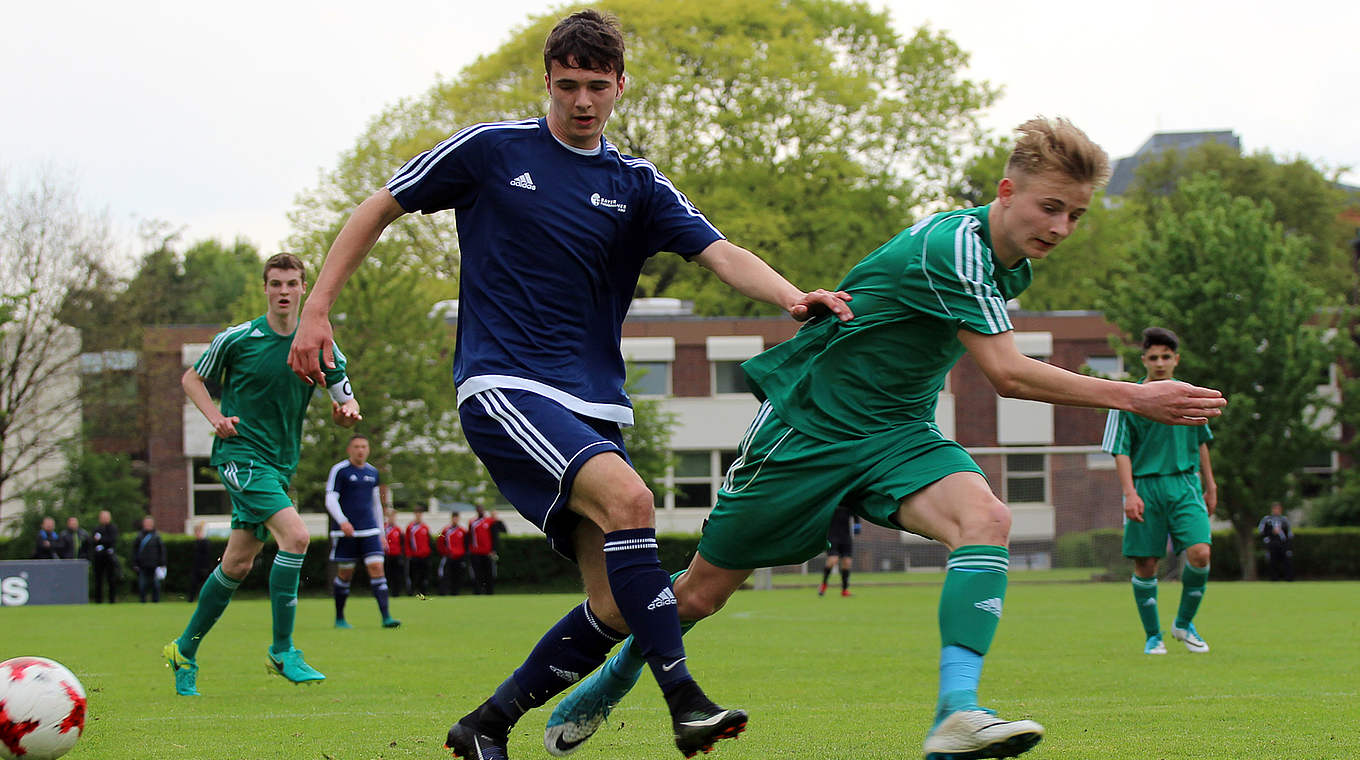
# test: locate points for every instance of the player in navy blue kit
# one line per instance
(554, 225)
(354, 501)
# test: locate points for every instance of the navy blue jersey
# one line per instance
(353, 493)
(552, 240)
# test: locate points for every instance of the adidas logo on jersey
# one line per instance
(565, 675)
(524, 181)
(666, 597)
(992, 605)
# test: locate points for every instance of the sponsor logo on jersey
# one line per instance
(666, 597)
(597, 200)
(992, 605)
(524, 181)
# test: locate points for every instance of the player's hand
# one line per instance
(820, 302)
(347, 529)
(313, 339)
(1173, 402)
(226, 427)
(1133, 507)
(1211, 499)
(346, 415)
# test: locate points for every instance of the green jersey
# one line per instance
(1154, 448)
(250, 362)
(887, 366)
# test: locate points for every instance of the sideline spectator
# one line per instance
(452, 546)
(481, 549)
(48, 543)
(205, 559)
(148, 557)
(418, 553)
(107, 571)
(1279, 539)
(394, 554)
(75, 541)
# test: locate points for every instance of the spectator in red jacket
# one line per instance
(481, 547)
(394, 555)
(452, 545)
(418, 552)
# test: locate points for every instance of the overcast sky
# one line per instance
(215, 117)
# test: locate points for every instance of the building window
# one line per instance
(207, 495)
(649, 378)
(1105, 366)
(696, 476)
(1026, 478)
(729, 378)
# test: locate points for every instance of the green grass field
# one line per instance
(822, 677)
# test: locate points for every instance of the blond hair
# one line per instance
(1056, 145)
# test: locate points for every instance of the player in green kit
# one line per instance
(258, 434)
(849, 418)
(1169, 489)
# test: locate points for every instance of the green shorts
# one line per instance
(775, 505)
(257, 491)
(1172, 505)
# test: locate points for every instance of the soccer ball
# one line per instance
(42, 709)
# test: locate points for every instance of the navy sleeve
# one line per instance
(444, 176)
(673, 223)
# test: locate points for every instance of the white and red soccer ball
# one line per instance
(42, 709)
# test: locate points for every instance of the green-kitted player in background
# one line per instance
(258, 435)
(1169, 489)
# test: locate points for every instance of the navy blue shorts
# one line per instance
(351, 549)
(533, 447)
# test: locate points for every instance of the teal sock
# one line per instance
(212, 601)
(970, 609)
(283, 588)
(1193, 581)
(1145, 596)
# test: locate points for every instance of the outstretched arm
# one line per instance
(1015, 375)
(351, 246)
(749, 275)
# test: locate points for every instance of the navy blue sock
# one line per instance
(341, 591)
(380, 593)
(572, 648)
(643, 593)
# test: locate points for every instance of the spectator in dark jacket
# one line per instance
(48, 544)
(76, 540)
(205, 560)
(1279, 540)
(106, 569)
(148, 557)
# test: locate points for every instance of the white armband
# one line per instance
(341, 391)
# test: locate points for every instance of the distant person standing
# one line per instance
(418, 553)
(205, 559)
(452, 546)
(75, 540)
(47, 544)
(840, 538)
(1279, 540)
(394, 554)
(355, 506)
(481, 547)
(106, 569)
(148, 557)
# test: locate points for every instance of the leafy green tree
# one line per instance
(1221, 272)
(1304, 201)
(90, 482)
(809, 130)
(649, 438)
